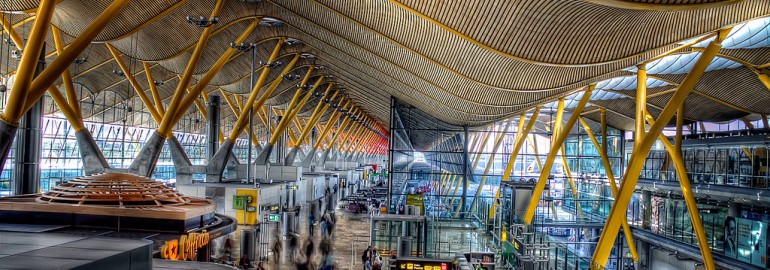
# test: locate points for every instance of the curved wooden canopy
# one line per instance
(462, 62)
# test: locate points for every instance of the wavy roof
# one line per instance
(462, 63)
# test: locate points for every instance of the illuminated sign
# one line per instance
(293, 187)
(185, 248)
(273, 207)
(422, 264)
(273, 217)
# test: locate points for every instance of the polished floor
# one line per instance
(350, 238)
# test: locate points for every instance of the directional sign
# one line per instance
(273, 217)
(293, 187)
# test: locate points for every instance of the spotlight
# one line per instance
(271, 65)
(15, 54)
(267, 21)
(80, 60)
(291, 77)
(3, 88)
(201, 21)
(318, 94)
(119, 73)
(158, 83)
(243, 47)
(292, 41)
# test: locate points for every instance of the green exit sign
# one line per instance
(293, 187)
(273, 217)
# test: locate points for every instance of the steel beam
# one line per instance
(177, 110)
(240, 124)
(490, 160)
(64, 60)
(237, 111)
(602, 149)
(66, 77)
(684, 182)
(556, 144)
(154, 90)
(636, 162)
(291, 111)
(521, 134)
(135, 84)
(176, 105)
(641, 103)
(25, 71)
(317, 112)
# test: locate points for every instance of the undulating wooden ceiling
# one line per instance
(463, 62)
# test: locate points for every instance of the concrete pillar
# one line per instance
(733, 209)
(29, 140)
(643, 249)
(647, 209)
(212, 126)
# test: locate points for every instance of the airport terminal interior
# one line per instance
(385, 134)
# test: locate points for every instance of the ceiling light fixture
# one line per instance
(271, 65)
(290, 77)
(80, 60)
(243, 47)
(201, 21)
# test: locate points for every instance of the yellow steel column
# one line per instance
(175, 106)
(490, 161)
(439, 185)
(25, 72)
(66, 77)
(363, 144)
(573, 189)
(344, 128)
(638, 157)
(69, 113)
(641, 103)
(521, 135)
(54, 70)
(482, 143)
(613, 186)
(137, 88)
(317, 112)
(748, 123)
(351, 137)
(250, 103)
(292, 110)
(177, 109)
(13, 34)
(153, 89)
(557, 143)
(329, 125)
(236, 111)
(675, 152)
(451, 180)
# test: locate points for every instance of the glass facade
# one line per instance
(119, 141)
(728, 165)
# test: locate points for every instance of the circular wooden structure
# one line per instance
(114, 189)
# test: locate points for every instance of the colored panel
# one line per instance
(249, 215)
